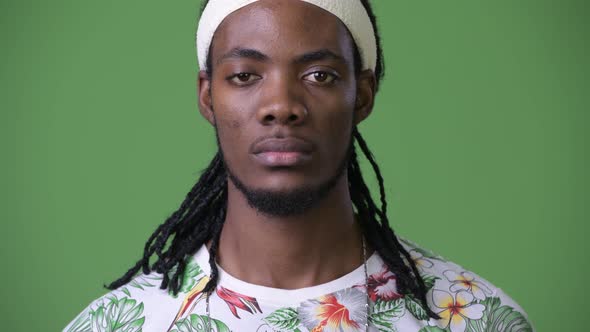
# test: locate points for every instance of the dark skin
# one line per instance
(318, 100)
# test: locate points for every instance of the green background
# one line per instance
(481, 131)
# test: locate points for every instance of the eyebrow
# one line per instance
(319, 55)
(249, 53)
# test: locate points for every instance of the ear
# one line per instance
(205, 100)
(365, 96)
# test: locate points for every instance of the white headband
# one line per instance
(350, 12)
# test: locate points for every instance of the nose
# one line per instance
(282, 103)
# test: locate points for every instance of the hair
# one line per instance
(201, 216)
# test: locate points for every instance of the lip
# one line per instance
(288, 151)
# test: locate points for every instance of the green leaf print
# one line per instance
(429, 281)
(126, 291)
(416, 308)
(145, 281)
(82, 322)
(499, 318)
(118, 315)
(191, 272)
(285, 319)
(384, 313)
(198, 323)
(431, 329)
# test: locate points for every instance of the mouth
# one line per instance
(278, 159)
(282, 152)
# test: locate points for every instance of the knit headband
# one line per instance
(351, 12)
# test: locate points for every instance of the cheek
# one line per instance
(335, 108)
(228, 108)
(230, 133)
(336, 125)
(230, 125)
(341, 129)
(334, 128)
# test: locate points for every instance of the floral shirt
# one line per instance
(463, 300)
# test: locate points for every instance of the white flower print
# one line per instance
(419, 260)
(466, 281)
(456, 310)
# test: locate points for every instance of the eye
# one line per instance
(243, 78)
(321, 77)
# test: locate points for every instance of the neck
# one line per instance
(294, 252)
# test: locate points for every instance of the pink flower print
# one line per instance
(237, 301)
(466, 281)
(419, 260)
(382, 285)
(341, 311)
(456, 310)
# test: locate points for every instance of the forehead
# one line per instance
(281, 28)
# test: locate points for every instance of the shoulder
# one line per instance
(126, 301)
(464, 300)
(132, 306)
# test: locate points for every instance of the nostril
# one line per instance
(293, 117)
(269, 118)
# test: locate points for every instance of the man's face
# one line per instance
(282, 100)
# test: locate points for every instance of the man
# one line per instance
(281, 233)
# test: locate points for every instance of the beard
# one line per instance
(292, 202)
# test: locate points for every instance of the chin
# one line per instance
(285, 183)
(279, 199)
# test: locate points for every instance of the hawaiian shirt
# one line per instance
(463, 300)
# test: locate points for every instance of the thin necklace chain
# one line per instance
(367, 303)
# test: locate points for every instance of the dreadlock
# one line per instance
(201, 215)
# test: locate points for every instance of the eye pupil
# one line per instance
(243, 77)
(320, 76)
